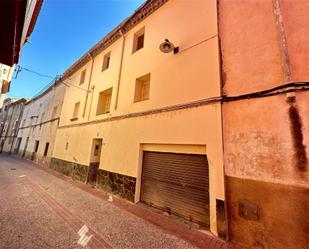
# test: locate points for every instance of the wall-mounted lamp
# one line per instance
(167, 47)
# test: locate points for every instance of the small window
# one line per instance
(138, 41)
(142, 88)
(54, 113)
(46, 149)
(76, 110)
(106, 61)
(82, 77)
(104, 101)
(66, 146)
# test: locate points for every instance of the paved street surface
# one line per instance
(39, 210)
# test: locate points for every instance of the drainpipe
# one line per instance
(88, 87)
(92, 91)
(120, 69)
(222, 79)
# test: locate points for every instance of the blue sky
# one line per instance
(65, 30)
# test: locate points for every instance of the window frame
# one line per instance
(82, 76)
(108, 93)
(75, 111)
(137, 35)
(140, 83)
(106, 61)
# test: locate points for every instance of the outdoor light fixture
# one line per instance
(167, 47)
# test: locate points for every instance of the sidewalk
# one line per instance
(113, 222)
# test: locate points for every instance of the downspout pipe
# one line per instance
(120, 69)
(89, 82)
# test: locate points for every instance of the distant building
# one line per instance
(10, 115)
(39, 124)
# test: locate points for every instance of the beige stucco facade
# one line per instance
(178, 116)
(39, 124)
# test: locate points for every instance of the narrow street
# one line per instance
(39, 210)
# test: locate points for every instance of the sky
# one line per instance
(65, 30)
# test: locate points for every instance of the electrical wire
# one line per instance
(35, 72)
(198, 43)
(285, 88)
(68, 85)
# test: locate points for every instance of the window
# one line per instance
(54, 113)
(82, 77)
(46, 149)
(142, 88)
(66, 146)
(138, 40)
(75, 112)
(106, 61)
(36, 146)
(104, 101)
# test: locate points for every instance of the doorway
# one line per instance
(26, 145)
(17, 145)
(94, 160)
(36, 147)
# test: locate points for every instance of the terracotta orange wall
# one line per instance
(296, 21)
(250, 46)
(261, 160)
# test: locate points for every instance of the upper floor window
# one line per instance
(104, 101)
(106, 61)
(82, 77)
(138, 40)
(75, 111)
(142, 88)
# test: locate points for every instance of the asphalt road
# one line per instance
(39, 210)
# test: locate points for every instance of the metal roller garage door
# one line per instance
(178, 184)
